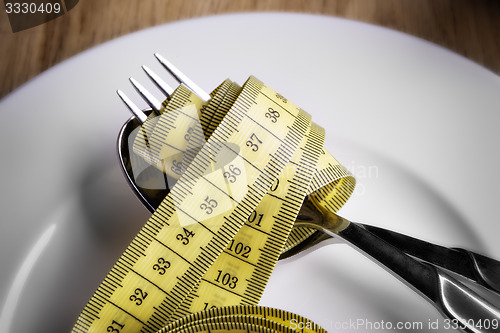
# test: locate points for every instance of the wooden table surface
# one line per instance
(468, 27)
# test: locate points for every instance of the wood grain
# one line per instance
(468, 27)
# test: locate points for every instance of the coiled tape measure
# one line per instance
(242, 164)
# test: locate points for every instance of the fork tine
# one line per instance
(146, 95)
(136, 111)
(182, 78)
(162, 85)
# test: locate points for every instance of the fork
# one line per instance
(450, 296)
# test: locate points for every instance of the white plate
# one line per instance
(415, 122)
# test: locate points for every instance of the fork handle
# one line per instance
(455, 300)
(487, 270)
(483, 270)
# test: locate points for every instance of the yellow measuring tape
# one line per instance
(245, 319)
(242, 164)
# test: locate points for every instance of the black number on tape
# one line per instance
(273, 115)
(232, 173)
(176, 167)
(208, 205)
(138, 296)
(162, 266)
(255, 218)
(254, 142)
(226, 279)
(239, 248)
(184, 238)
(115, 327)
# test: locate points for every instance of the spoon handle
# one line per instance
(455, 300)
